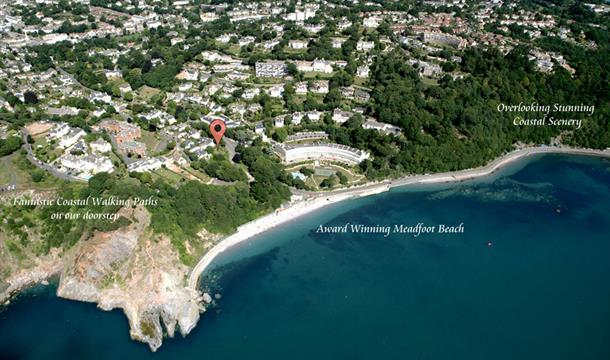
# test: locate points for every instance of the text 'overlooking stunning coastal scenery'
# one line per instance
(332, 179)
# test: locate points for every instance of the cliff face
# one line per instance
(135, 271)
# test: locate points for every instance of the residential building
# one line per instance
(86, 165)
(340, 116)
(365, 45)
(320, 87)
(300, 88)
(382, 127)
(320, 151)
(271, 69)
(307, 136)
(362, 71)
(298, 44)
(101, 146)
(120, 130)
(147, 164)
(275, 91)
(133, 148)
(71, 138)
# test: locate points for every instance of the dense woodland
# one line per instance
(179, 212)
(456, 124)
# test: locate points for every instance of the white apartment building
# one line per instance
(147, 164)
(87, 165)
(320, 151)
(271, 69)
(71, 138)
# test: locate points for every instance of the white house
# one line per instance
(301, 88)
(371, 22)
(71, 138)
(337, 42)
(113, 74)
(362, 71)
(100, 146)
(297, 117)
(298, 44)
(59, 130)
(365, 45)
(146, 164)
(124, 88)
(340, 116)
(87, 165)
(279, 121)
(381, 127)
(322, 66)
(314, 115)
(276, 91)
(320, 87)
(250, 94)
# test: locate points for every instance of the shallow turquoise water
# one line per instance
(540, 291)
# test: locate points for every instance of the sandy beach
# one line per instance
(260, 225)
(315, 200)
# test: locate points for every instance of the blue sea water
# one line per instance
(528, 279)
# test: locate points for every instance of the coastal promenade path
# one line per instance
(315, 200)
(495, 165)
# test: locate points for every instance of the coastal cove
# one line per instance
(539, 291)
(507, 163)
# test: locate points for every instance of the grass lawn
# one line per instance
(429, 81)
(277, 108)
(146, 92)
(16, 168)
(46, 152)
(169, 176)
(326, 170)
(314, 75)
(289, 50)
(198, 174)
(6, 171)
(359, 81)
(150, 139)
(234, 49)
(311, 182)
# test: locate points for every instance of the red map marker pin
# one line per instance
(218, 128)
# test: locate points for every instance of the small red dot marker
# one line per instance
(218, 128)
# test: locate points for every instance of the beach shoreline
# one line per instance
(316, 200)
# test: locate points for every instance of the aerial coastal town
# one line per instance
(116, 98)
(278, 71)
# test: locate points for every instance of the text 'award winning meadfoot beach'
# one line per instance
(304, 179)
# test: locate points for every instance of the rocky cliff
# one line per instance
(136, 271)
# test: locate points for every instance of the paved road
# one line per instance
(230, 145)
(44, 166)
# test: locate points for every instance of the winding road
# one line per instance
(42, 165)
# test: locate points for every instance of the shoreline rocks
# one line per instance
(129, 269)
